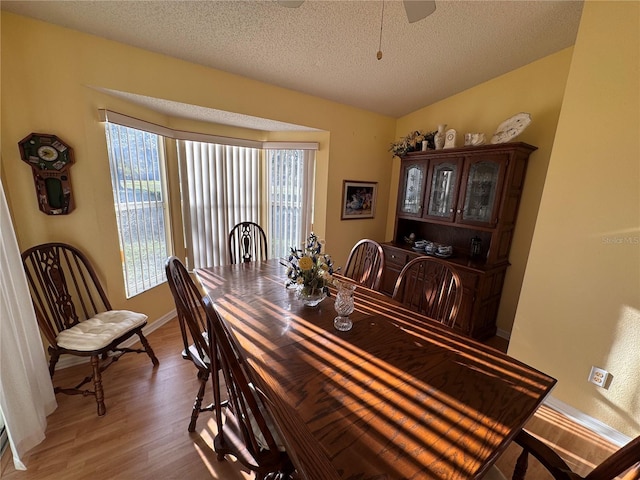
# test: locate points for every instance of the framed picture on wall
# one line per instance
(359, 199)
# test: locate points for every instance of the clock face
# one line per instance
(47, 153)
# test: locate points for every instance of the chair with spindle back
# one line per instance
(366, 263)
(75, 316)
(431, 287)
(247, 243)
(624, 463)
(247, 432)
(193, 328)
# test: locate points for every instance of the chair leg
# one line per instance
(203, 377)
(148, 349)
(53, 360)
(522, 463)
(97, 384)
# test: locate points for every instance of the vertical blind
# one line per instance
(223, 181)
(221, 187)
(290, 180)
(140, 201)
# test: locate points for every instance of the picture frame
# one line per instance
(359, 199)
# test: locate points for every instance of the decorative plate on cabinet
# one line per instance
(511, 128)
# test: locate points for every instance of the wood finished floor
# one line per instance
(144, 433)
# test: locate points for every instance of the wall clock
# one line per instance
(50, 159)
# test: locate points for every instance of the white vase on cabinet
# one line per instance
(439, 137)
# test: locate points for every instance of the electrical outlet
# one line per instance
(598, 376)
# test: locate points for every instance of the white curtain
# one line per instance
(26, 391)
(220, 188)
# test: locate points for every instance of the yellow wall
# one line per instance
(536, 88)
(580, 302)
(47, 75)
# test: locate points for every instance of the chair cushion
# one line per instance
(99, 331)
(193, 355)
(262, 442)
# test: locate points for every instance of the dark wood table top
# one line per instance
(397, 397)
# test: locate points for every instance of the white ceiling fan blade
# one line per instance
(418, 9)
(291, 3)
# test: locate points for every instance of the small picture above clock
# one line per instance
(50, 159)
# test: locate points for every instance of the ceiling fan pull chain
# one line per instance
(379, 54)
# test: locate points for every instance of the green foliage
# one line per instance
(309, 267)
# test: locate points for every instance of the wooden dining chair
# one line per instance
(193, 327)
(431, 287)
(75, 316)
(365, 263)
(247, 432)
(624, 464)
(247, 243)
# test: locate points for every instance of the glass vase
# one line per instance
(344, 306)
(311, 297)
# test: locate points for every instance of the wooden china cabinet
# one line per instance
(452, 197)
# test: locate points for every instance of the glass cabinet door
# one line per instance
(413, 182)
(481, 192)
(443, 190)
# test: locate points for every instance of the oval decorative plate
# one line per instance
(511, 128)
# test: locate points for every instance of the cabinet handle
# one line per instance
(393, 256)
(459, 210)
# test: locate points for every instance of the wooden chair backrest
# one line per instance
(243, 399)
(64, 287)
(431, 287)
(366, 263)
(190, 310)
(247, 243)
(626, 459)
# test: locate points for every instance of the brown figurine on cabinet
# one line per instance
(50, 159)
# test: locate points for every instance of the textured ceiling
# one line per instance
(328, 48)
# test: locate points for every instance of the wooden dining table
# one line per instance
(399, 396)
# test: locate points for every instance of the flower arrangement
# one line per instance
(309, 268)
(412, 142)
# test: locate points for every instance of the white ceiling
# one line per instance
(328, 48)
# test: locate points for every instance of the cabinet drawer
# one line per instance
(395, 258)
(394, 261)
(389, 278)
(469, 279)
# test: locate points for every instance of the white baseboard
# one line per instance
(579, 417)
(71, 360)
(503, 334)
(586, 421)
